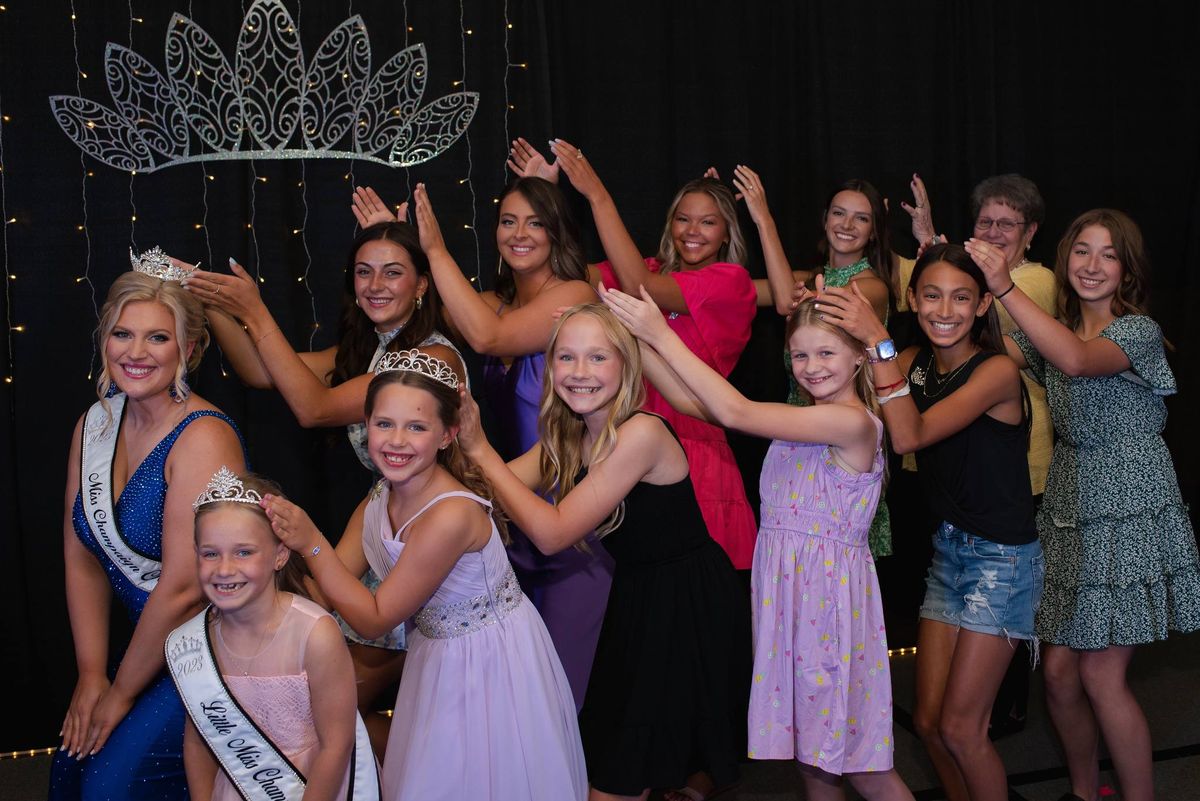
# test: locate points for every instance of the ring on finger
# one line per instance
(218, 290)
(578, 154)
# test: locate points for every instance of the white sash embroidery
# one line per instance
(97, 448)
(251, 761)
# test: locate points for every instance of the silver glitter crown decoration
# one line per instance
(415, 361)
(207, 110)
(224, 487)
(156, 263)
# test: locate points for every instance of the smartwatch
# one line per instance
(882, 351)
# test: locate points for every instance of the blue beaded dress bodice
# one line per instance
(139, 513)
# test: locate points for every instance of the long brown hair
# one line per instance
(451, 458)
(356, 335)
(1133, 291)
(878, 250)
(567, 261)
(561, 430)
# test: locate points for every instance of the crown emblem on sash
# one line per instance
(269, 103)
(414, 361)
(185, 646)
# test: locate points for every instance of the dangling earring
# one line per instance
(178, 393)
(357, 303)
(418, 302)
(499, 264)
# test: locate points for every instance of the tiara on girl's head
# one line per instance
(414, 361)
(226, 486)
(158, 264)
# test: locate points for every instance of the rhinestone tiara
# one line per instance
(266, 102)
(226, 486)
(414, 361)
(158, 264)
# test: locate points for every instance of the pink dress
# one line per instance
(484, 709)
(721, 306)
(821, 691)
(276, 694)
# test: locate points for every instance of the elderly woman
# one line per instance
(138, 459)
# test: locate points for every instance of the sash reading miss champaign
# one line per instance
(97, 448)
(251, 761)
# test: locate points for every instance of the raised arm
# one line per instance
(994, 387)
(523, 330)
(919, 210)
(433, 546)
(204, 447)
(727, 406)
(619, 247)
(1057, 343)
(89, 597)
(781, 278)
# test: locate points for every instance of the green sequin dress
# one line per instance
(879, 537)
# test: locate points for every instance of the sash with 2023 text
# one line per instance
(98, 445)
(253, 763)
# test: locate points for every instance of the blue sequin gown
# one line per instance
(143, 758)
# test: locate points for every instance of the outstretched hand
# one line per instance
(920, 212)
(750, 188)
(428, 231)
(642, 317)
(524, 160)
(848, 308)
(992, 262)
(291, 524)
(369, 209)
(470, 429)
(235, 294)
(571, 161)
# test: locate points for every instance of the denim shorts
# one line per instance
(983, 586)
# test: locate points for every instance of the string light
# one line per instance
(902, 651)
(132, 173)
(9, 277)
(87, 234)
(467, 139)
(31, 752)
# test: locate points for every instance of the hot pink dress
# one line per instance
(821, 691)
(276, 694)
(721, 306)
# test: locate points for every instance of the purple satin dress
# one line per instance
(570, 588)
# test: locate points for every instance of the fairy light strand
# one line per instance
(87, 234)
(462, 27)
(507, 67)
(8, 275)
(353, 181)
(132, 173)
(407, 30)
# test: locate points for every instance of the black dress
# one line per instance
(671, 681)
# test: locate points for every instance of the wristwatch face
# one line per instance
(886, 350)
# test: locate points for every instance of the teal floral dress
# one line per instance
(1121, 560)
(879, 537)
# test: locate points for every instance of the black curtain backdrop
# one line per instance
(1098, 104)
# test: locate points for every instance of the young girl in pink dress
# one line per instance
(821, 690)
(272, 649)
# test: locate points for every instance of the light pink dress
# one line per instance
(276, 694)
(821, 691)
(484, 709)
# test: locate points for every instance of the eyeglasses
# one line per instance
(1006, 226)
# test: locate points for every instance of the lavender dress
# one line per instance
(570, 588)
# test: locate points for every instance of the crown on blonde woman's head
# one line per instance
(414, 361)
(158, 264)
(224, 487)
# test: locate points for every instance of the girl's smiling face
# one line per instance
(947, 302)
(823, 363)
(585, 366)
(238, 557)
(698, 230)
(386, 283)
(1094, 269)
(405, 432)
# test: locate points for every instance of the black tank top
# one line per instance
(977, 478)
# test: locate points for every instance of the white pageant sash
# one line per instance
(99, 444)
(251, 761)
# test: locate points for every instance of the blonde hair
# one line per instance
(290, 577)
(562, 430)
(733, 251)
(134, 287)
